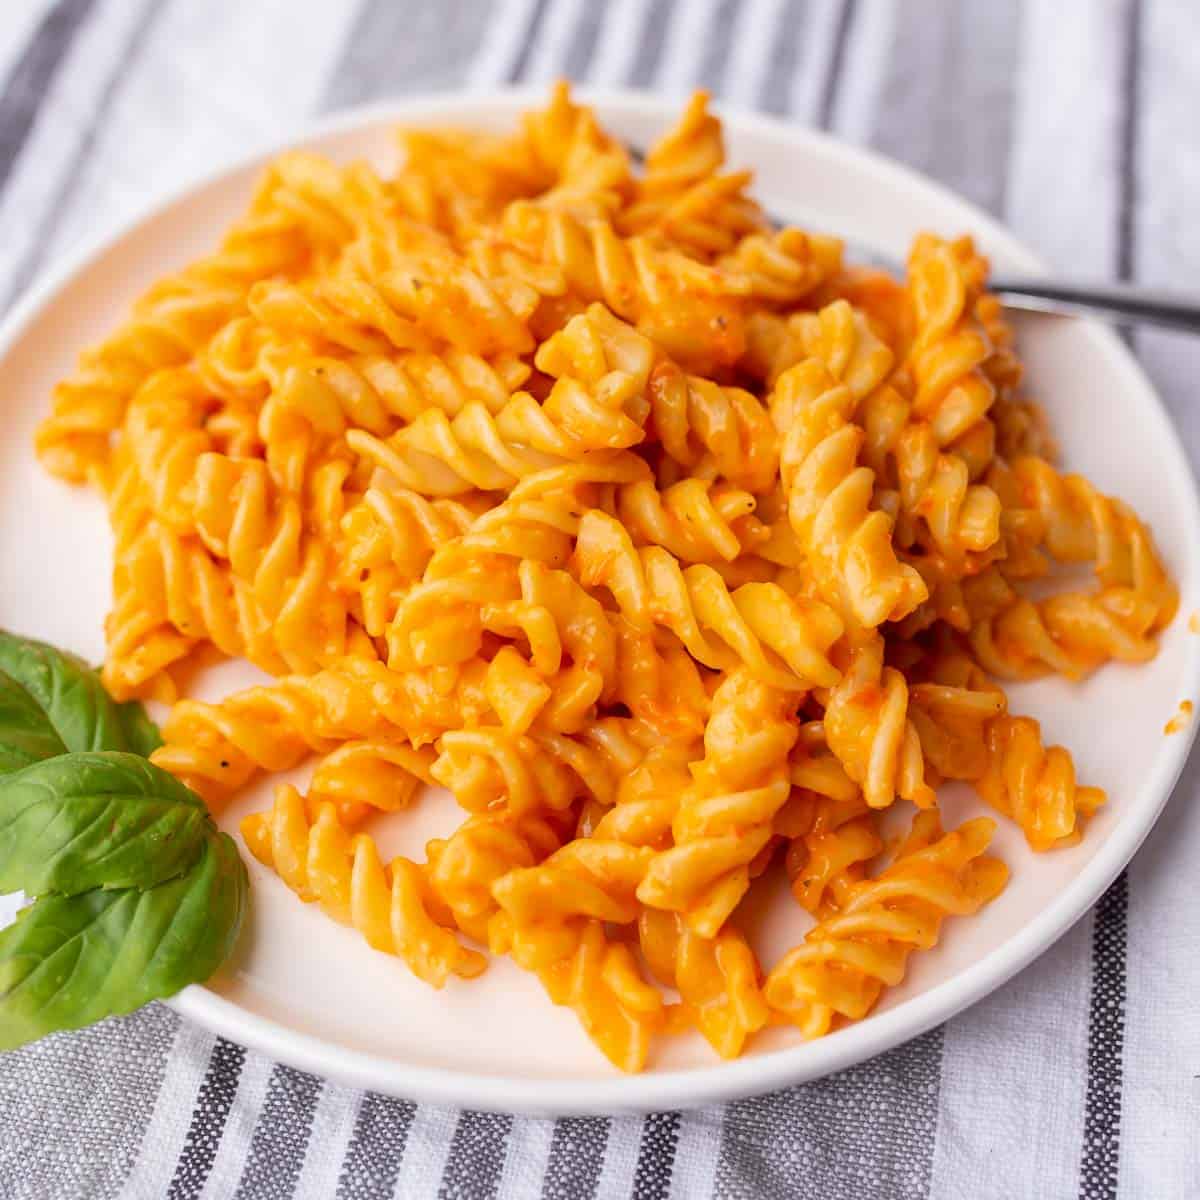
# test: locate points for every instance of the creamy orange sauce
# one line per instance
(1194, 622)
(1181, 718)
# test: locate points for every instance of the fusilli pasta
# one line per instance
(671, 546)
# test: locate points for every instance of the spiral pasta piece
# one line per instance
(388, 539)
(486, 768)
(393, 907)
(360, 778)
(1071, 633)
(684, 197)
(572, 646)
(486, 847)
(647, 797)
(951, 348)
(692, 150)
(718, 979)
(167, 326)
(1035, 784)
(165, 436)
(589, 879)
(227, 560)
(963, 518)
(936, 501)
(217, 748)
(848, 542)
(816, 771)
(602, 983)
(781, 639)
(604, 354)
(589, 169)
(539, 519)
(825, 863)
(846, 960)
(581, 417)
(965, 585)
(726, 818)
(329, 204)
(314, 400)
(842, 339)
(286, 617)
(882, 299)
(847, 333)
(1019, 427)
(694, 519)
(141, 649)
(1082, 525)
(454, 180)
(953, 707)
(711, 430)
(422, 300)
(690, 309)
(658, 681)
(719, 838)
(783, 268)
(169, 597)
(868, 728)
(773, 343)
(235, 363)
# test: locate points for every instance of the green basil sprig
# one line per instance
(26, 733)
(53, 703)
(70, 960)
(137, 893)
(99, 819)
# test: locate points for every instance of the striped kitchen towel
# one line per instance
(1075, 121)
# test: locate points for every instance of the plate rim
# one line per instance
(723, 1080)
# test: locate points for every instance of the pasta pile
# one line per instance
(671, 545)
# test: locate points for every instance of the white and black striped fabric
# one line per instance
(1076, 122)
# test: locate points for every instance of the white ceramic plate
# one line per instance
(310, 992)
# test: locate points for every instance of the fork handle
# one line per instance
(1120, 302)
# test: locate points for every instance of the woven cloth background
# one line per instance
(1075, 121)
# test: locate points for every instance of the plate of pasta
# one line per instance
(644, 658)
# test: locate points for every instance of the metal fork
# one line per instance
(1119, 303)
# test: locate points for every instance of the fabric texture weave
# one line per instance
(1073, 121)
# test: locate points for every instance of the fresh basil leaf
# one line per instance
(103, 819)
(70, 960)
(141, 734)
(72, 700)
(26, 735)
